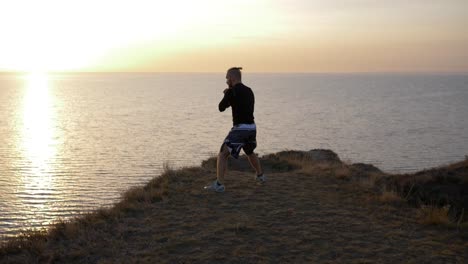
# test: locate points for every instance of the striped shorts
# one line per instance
(242, 136)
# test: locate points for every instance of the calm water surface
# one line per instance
(70, 143)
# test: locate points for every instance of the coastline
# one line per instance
(314, 208)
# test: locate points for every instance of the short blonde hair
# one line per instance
(235, 72)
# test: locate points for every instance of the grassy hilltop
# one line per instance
(314, 208)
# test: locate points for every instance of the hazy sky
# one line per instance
(209, 36)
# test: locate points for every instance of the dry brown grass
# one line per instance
(152, 192)
(295, 160)
(316, 169)
(30, 244)
(306, 164)
(31, 240)
(370, 180)
(172, 220)
(338, 170)
(432, 215)
(66, 229)
(342, 172)
(390, 197)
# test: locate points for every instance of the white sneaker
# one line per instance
(261, 179)
(215, 187)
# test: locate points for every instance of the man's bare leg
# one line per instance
(255, 163)
(222, 164)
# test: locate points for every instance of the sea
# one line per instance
(74, 142)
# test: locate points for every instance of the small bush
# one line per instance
(432, 215)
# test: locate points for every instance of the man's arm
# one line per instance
(225, 101)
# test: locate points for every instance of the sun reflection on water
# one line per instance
(37, 142)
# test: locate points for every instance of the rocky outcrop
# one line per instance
(270, 163)
(366, 168)
(314, 155)
(282, 161)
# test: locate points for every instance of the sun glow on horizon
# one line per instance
(62, 36)
(206, 35)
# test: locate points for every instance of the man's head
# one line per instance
(233, 76)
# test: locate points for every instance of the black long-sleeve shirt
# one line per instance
(242, 100)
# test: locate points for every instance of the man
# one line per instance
(243, 134)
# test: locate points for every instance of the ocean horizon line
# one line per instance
(251, 72)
